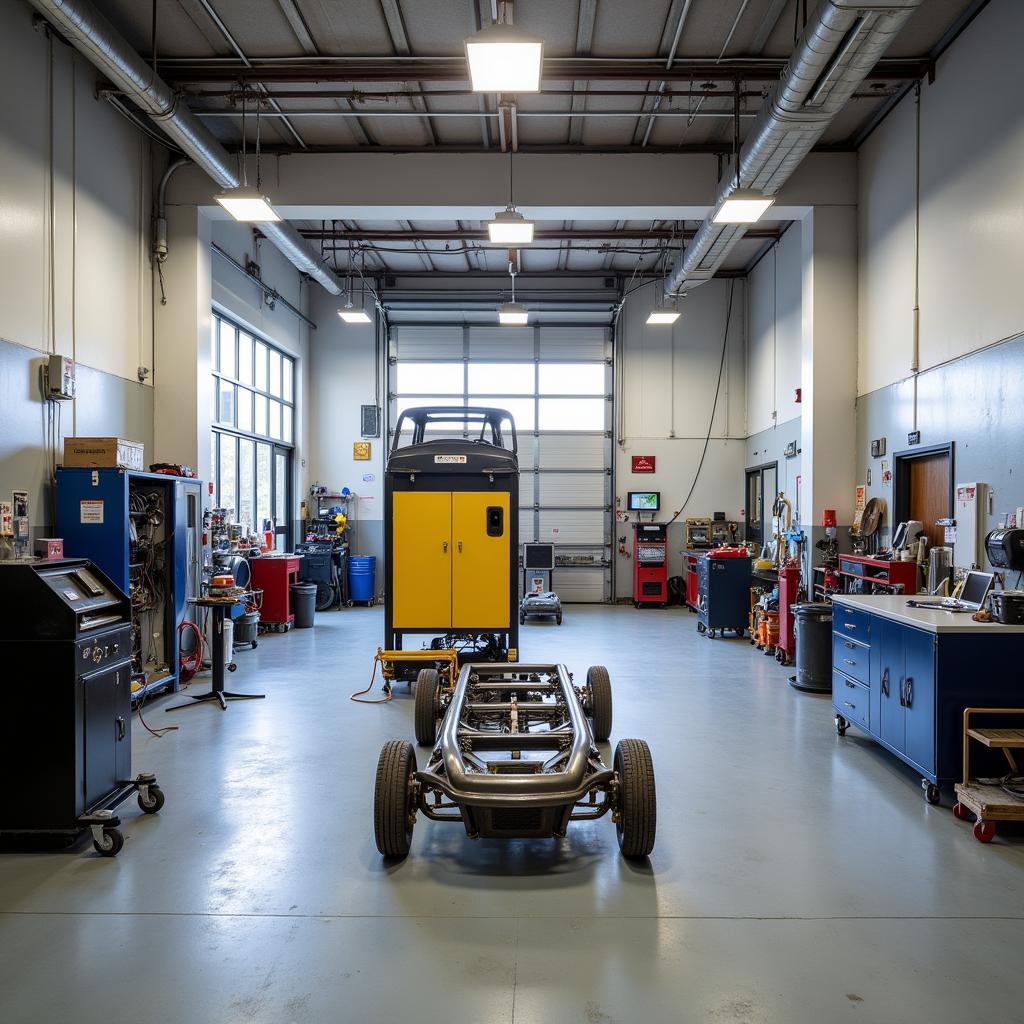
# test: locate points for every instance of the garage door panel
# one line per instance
(417, 343)
(573, 451)
(562, 343)
(572, 527)
(525, 526)
(572, 489)
(578, 585)
(509, 344)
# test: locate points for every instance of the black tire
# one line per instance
(638, 802)
(427, 685)
(325, 596)
(522, 618)
(392, 807)
(155, 802)
(112, 842)
(701, 628)
(599, 699)
(232, 667)
(932, 793)
(558, 618)
(841, 725)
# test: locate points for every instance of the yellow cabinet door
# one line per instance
(481, 561)
(421, 578)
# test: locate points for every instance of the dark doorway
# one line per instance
(760, 484)
(924, 489)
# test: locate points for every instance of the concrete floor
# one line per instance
(797, 877)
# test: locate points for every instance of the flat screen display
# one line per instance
(644, 501)
(976, 588)
(539, 556)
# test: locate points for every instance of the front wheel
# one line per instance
(599, 701)
(110, 844)
(152, 803)
(932, 793)
(841, 725)
(427, 685)
(394, 812)
(558, 618)
(637, 811)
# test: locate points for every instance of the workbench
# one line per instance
(905, 675)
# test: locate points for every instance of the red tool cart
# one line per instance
(274, 575)
(789, 595)
(650, 564)
(691, 566)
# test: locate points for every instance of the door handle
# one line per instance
(885, 683)
(445, 546)
(460, 547)
(850, 646)
(120, 727)
(909, 698)
(849, 625)
(903, 693)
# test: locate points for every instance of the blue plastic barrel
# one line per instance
(362, 571)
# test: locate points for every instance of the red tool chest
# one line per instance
(274, 575)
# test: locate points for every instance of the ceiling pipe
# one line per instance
(839, 48)
(93, 35)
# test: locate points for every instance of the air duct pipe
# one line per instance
(92, 35)
(838, 48)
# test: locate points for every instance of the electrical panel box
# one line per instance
(60, 378)
(369, 420)
(970, 510)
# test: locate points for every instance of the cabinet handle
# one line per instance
(445, 546)
(847, 661)
(849, 684)
(847, 704)
(885, 683)
(120, 727)
(903, 693)
(849, 625)
(460, 547)
(850, 647)
(909, 699)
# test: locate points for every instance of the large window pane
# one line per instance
(274, 419)
(263, 511)
(275, 373)
(259, 420)
(281, 488)
(286, 424)
(288, 378)
(226, 404)
(227, 349)
(227, 471)
(214, 474)
(501, 378)
(572, 413)
(260, 365)
(520, 408)
(245, 481)
(244, 399)
(244, 357)
(430, 378)
(572, 378)
(448, 401)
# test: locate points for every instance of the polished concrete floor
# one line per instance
(797, 877)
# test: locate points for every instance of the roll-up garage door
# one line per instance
(557, 383)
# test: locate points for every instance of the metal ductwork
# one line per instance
(92, 35)
(840, 45)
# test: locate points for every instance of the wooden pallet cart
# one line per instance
(989, 803)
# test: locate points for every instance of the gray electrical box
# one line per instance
(60, 378)
(370, 418)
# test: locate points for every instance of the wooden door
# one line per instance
(929, 494)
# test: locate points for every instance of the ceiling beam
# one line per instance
(298, 25)
(586, 17)
(410, 236)
(400, 42)
(767, 26)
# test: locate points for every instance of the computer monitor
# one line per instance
(644, 501)
(538, 557)
(975, 588)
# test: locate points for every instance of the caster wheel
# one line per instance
(155, 801)
(522, 620)
(780, 656)
(932, 793)
(960, 812)
(112, 841)
(984, 831)
(232, 667)
(841, 725)
(701, 628)
(349, 604)
(254, 645)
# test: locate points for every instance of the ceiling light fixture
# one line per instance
(512, 314)
(742, 206)
(350, 313)
(509, 226)
(663, 315)
(244, 203)
(503, 58)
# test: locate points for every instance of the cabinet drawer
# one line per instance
(851, 658)
(850, 699)
(852, 622)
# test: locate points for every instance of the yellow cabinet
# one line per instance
(480, 559)
(421, 549)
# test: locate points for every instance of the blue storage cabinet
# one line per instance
(93, 518)
(907, 687)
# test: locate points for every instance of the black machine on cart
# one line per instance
(516, 758)
(65, 736)
(723, 591)
(538, 597)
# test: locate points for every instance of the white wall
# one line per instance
(972, 209)
(101, 208)
(667, 386)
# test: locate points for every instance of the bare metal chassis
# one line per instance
(515, 755)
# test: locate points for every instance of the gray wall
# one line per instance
(107, 406)
(975, 402)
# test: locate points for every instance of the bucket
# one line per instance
(361, 573)
(246, 628)
(812, 623)
(303, 604)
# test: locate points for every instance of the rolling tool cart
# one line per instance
(650, 564)
(451, 519)
(724, 591)
(65, 735)
(274, 575)
(538, 597)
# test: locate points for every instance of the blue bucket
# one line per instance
(361, 576)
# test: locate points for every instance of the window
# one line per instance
(571, 379)
(501, 378)
(254, 429)
(430, 378)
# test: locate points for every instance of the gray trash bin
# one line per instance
(304, 604)
(813, 626)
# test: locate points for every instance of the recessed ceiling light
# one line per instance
(247, 204)
(663, 315)
(512, 314)
(502, 58)
(742, 206)
(510, 227)
(351, 315)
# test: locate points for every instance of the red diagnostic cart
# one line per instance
(274, 575)
(650, 564)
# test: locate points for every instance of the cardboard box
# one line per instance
(103, 453)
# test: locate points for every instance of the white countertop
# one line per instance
(932, 620)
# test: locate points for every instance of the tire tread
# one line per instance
(390, 814)
(638, 795)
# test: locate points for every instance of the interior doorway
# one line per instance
(924, 489)
(760, 483)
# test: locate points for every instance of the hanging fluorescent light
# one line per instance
(351, 315)
(510, 227)
(742, 206)
(247, 204)
(663, 315)
(512, 314)
(502, 58)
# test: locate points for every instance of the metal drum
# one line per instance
(813, 627)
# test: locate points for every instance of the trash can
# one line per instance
(303, 604)
(362, 571)
(246, 629)
(812, 623)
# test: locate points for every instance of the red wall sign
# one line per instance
(643, 463)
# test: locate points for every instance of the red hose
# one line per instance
(189, 664)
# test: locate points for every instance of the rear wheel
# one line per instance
(427, 685)
(637, 805)
(393, 809)
(324, 596)
(599, 701)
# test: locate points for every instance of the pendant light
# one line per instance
(503, 58)
(244, 203)
(349, 312)
(512, 314)
(509, 226)
(663, 315)
(741, 205)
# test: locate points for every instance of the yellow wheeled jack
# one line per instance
(445, 662)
